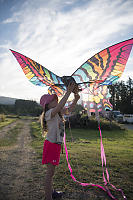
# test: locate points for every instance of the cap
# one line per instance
(46, 99)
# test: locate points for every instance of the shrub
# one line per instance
(78, 121)
(2, 118)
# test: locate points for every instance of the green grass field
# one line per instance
(84, 156)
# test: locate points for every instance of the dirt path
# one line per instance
(5, 129)
(20, 169)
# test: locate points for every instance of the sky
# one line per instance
(60, 35)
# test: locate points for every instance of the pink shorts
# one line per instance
(51, 153)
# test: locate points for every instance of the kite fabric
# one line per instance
(92, 77)
(39, 75)
(103, 69)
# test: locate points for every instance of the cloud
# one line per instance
(61, 35)
(67, 38)
(10, 20)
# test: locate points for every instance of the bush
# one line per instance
(78, 121)
(2, 118)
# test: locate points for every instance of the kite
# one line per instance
(92, 79)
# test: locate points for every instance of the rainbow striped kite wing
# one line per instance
(57, 89)
(39, 75)
(117, 58)
(101, 70)
(106, 66)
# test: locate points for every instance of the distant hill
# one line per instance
(7, 100)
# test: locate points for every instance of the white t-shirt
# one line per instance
(55, 127)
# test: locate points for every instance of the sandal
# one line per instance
(56, 194)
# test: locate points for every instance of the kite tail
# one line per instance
(71, 171)
(103, 158)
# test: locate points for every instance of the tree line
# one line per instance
(22, 107)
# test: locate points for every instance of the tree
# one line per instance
(122, 96)
(78, 108)
(27, 107)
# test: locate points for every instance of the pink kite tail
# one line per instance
(103, 159)
(70, 169)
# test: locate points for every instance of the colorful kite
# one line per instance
(92, 79)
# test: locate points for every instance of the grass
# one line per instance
(11, 136)
(84, 157)
(6, 122)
